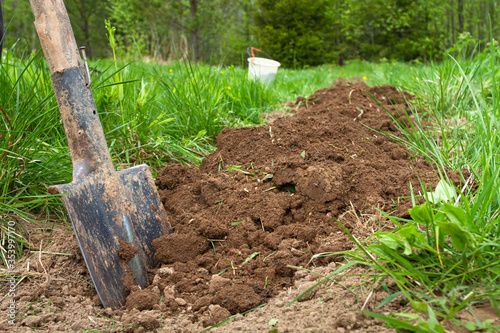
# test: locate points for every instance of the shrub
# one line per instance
(295, 32)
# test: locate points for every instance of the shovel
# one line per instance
(107, 208)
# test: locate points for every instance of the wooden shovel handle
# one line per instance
(56, 35)
(86, 141)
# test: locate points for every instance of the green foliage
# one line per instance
(32, 147)
(27, 144)
(162, 29)
(18, 23)
(447, 252)
(392, 29)
(305, 33)
(295, 32)
(441, 219)
(87, 17)
(464, 47)
(446, 256)
(139, 29)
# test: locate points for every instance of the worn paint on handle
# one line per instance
(56, 36)
(86, 141)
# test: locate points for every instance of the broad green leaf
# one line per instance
(457, 233)
(433, 322)
(410, 233)
(443, 193)
(420, 214)
(408, 247)
(421, 306)
(471, 326)
(392, 241)
(414, 237)
(456, 215)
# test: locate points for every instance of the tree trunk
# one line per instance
(1, 31)
(195, 29)
(483, 23)
(448, 21)
(460, 13)
(492, 16)
(85, 16)
(79, 10)
(452, 22)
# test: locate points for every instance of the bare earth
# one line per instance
(262, 205)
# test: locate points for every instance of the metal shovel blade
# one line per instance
(104, 209)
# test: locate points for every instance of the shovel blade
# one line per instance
(105, 208)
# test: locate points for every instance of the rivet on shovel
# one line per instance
(84, 56)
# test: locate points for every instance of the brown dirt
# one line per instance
(264, 203)
(127, 250)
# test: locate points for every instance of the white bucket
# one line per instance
(262, 69)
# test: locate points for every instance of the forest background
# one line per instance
(297, 33)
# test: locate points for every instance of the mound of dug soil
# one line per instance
(264, 202)
(268, 197)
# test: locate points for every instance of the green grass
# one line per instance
(31, 141)
(444, 259)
